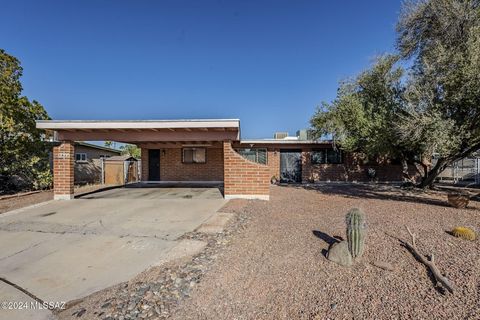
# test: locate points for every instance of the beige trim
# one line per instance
(247, 196)
(137, 124)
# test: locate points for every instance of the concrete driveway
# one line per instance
(64, 250)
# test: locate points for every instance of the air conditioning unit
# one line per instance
(280, 135)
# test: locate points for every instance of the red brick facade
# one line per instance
(63, 170)
(349, 170)
(243, 178)
(273, 162)
(144, 164)
(172, 168)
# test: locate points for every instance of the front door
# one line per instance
(154, 165)
(291, 166)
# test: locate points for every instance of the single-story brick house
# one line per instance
(210, 151)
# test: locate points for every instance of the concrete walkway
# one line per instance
(65, 250)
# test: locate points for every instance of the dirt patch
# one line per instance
(21, 201)
(26, 199)
(276, 268)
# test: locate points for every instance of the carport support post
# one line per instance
(63, 171)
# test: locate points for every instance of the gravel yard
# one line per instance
(276, 268)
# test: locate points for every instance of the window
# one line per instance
(194, 155)
(317, 156)
(81, 157)
(323, 156)
(258, 155)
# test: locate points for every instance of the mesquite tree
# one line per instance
(442, 37)
(362, 117)
(431, 107)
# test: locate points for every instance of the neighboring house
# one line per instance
(88, 163)
(212, 151)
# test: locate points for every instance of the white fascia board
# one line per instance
(281, 141)
(137, 124)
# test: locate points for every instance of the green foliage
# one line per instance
(442, 37)
(131, 150)
(361, 116)
(24, 156)
(356, 232)
(432, 106)
(464, 233)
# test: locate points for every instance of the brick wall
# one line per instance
(273, 161)
(144, 164)
(349, 170)
(244, 178)
(172, 168)
(63, 171)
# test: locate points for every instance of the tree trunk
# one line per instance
(405, 175)
(429, 178)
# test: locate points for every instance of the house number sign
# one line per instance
(63, 155)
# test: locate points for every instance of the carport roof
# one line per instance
(138, 124)
(144, 131)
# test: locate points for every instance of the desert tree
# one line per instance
(431, 105)
(361, 117)
(23, 154)
(442, 40)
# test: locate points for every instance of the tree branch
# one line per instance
(429, 263)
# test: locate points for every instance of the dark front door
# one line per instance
(154, 165)
(291, 166)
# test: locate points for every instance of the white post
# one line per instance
(125, 172)
(139, 170)
(103, 170)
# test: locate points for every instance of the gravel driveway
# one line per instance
(276, 269)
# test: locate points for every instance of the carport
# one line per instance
(173, 151)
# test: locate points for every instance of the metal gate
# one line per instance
(291, 166)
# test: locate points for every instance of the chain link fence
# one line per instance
(465, 170)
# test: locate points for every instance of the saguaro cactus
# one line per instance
(356, 232)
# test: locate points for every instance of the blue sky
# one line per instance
(269, 63)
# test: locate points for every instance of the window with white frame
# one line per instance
(194, 155)
(81, 157)
(258, 155)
